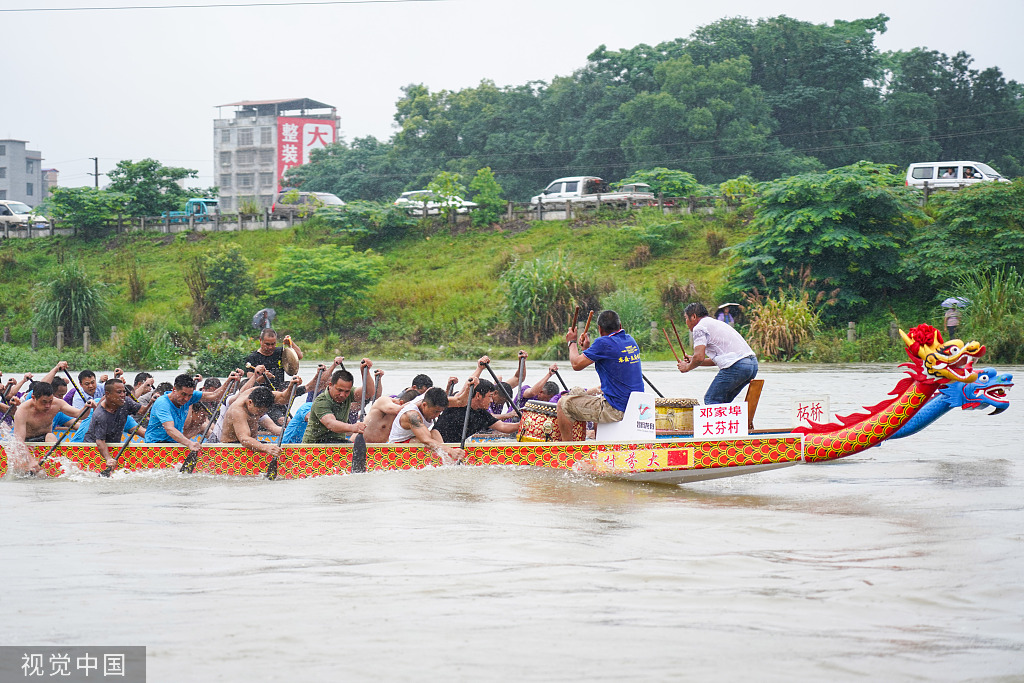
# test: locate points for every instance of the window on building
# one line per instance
(245, 180)
(225, 204)
(225, 158)
(30, 166)
(266, 200)
(225, 135)
(3, 194)
(245, 137)
(28, 189)
(3, 150)
(3, 171)
(266, 136)
(246, 157)
(266, 179)
(225, 181)
(266, 156)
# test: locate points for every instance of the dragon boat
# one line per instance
(935, 366)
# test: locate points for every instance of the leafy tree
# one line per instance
(977, 227)
(86, 208)
(325, 279)
(70, 298)
(151, 187)
(710, 119)
(488, 196)
(666, 181)
(229, 277)
(847, 226)
(446, 187)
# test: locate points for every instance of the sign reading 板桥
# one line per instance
(810, 409)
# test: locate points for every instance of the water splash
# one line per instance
(19, 458)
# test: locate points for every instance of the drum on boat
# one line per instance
(674, 414)
(540, 423)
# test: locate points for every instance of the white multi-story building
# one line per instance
(254, 148)
(21, 172)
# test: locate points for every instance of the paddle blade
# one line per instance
(358, 454)
(188, 465)
(106, 472)
(272, 470)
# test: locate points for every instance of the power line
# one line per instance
(283, 3)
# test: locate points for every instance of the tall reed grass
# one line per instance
(540, 296)
(995, 316)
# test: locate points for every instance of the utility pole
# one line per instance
(96, 173)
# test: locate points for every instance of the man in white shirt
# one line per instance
(716, 343)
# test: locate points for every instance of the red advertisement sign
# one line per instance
(296, 138)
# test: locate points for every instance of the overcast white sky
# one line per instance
(131, 84)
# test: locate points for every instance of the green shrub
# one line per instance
(73, 299)
(373, 222)
(220, 356)
(146, 348)
(540, 296)
(228, 277)
(488, 196)
(635, 311)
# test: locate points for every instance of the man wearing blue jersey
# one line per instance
(616, 357)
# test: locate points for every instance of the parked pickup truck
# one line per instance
(201, 210)
(590, 189)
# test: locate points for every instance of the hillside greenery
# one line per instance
(428, 289)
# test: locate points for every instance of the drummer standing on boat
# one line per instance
(616, 357)
(716, 343)
(271, 356)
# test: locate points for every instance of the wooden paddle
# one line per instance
(117, 458)
(465, 421)
(586, 330)
(522, 371)
(362, 396)
(502, 390)
(62, 437)
(188, 465)
(682, 349)
(72, 381)
(559, 376)
(272, 467)
(660, 395)
(670, 344)
(451, 386)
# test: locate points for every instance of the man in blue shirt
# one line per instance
(167, 416)
(616, 357)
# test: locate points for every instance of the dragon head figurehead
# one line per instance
(991, 389)
(942, 361)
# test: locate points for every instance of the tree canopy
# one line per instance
(765, 98)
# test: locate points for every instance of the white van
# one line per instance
(951, 174)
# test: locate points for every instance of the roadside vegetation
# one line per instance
(804, 256)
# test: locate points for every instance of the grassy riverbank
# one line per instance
(440, 296)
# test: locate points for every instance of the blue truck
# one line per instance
(198, 209)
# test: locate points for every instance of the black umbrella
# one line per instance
(264, 318)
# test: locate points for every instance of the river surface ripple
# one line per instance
(901, 563)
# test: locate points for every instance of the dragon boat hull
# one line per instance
(677, 461)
